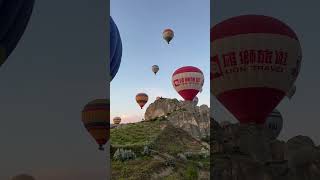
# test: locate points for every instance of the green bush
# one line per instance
(124, 155)
(191, 173)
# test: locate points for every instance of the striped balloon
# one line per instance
(188, 81)
(96, 119)
(115, 49)
(275, 123)
(255, 60)
(116, 120)
(168, 35)
(142, 99)
(14, 18)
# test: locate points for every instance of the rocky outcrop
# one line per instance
(245, 152)
(182, 114)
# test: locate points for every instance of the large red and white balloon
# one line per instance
(188, 81)
(255, 61)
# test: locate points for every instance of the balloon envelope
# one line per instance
(115, 49)
(168, 35)
(96, 119)
(116, 120)
(188, 81)
(142, 99)
(14, 18)
(155, 69)
(255, 60)
(275, 123)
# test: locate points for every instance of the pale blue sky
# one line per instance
(141, 24)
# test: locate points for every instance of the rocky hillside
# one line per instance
(169, 144)
(182, 114)
(248, 152)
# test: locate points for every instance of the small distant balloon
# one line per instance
(155, 69)
(116, 120)
(188, 81)
(96, 119)
(275, 123)
(23, 177)
(168, 35)
(142, 99)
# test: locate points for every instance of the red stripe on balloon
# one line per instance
(188, 94)
(247, 24)
(187, 69)
(251, 104)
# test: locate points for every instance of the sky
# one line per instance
(141, 24)
(301, 114)
(58, 66)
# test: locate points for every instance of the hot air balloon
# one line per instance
(95, 117)
(115, 49)
(142, 99)
(196, 100)
(23, 177)
(187, 81)
(292, 91)
(116, 120)
(14, 18)
(275, 123)
(168, 35)
(155, 69)
(255, 60)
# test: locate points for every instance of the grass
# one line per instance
(135, 136)
(169, 140)
(141, 168)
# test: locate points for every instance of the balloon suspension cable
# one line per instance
(101, 147)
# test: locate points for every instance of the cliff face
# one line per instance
(248, 152)
(185, 115)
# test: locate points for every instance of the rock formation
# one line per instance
(182, 114)
(248, 152)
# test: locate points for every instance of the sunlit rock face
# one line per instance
(183, 114)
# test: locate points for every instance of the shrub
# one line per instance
(124, 155)
(146, 151)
